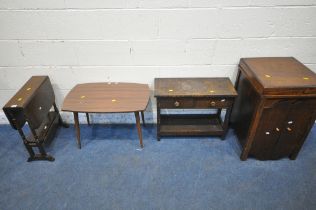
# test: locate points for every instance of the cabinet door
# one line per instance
(300, 119)
(269, 128)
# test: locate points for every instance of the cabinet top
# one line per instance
(275, 74)
(194, 87)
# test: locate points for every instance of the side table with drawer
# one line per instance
(193, 94)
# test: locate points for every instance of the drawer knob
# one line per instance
(223, 100)
(290, 122)
(277, 129)
(267, 133)
(213, 103)
(177, 103)
(289, 129)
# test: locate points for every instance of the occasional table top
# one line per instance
(107, 97)
(196, 87)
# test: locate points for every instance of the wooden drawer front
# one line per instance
(213, 102)
(175, 103)
(202, 103)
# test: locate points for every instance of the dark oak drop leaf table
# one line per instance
(107, 98)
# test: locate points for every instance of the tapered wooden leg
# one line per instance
(139, 130)
(88, 119)
(76, 119)
(143, 117)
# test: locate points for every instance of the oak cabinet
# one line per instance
(275, 108)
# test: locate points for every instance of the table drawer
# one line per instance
(176, 103)
(213, 102)
(181, 103)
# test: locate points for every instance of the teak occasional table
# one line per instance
(107, 98)
(193, 93)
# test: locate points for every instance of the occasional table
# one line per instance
(193, 93)
(107, 98)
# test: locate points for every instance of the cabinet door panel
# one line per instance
(269, 129)
(299, 121)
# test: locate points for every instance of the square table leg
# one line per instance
(76, 119)
(158, 123)
(225, 123)
(139, 130)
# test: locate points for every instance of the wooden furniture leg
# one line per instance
(226, 121)
(43, 155)
(158, 124)
(143, 118)
(28, 148)
(76, 119)
(139, 130)
(61, 122)
(218, 113)
(88, 119)
(30, 151)
(42, 151)
(251, 135)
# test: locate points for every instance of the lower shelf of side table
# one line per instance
(190, 125)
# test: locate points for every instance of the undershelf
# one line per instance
(190, 125)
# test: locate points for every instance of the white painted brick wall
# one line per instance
(77, 41)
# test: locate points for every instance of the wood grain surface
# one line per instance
(107, 98)
(272, 74)
(196, 87)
